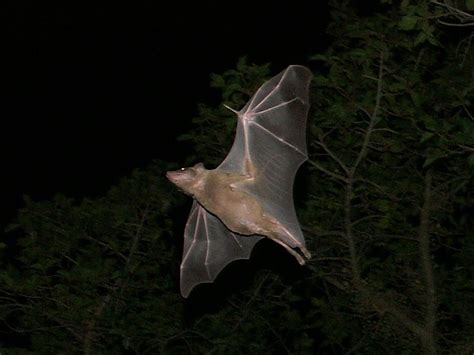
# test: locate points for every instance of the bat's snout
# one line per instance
(173, 176)
(183, 179)
(169, 175)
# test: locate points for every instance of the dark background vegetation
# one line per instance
(90, 262)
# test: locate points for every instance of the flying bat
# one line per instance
(250, 194)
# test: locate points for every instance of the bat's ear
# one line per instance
(199, 166)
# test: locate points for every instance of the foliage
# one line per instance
(392, 142)
(96, 275)
(236, 87)
(386, 200)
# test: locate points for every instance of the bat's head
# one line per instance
(189, 179)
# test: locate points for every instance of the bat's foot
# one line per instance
(301, 261)
(305, 252)
(297, 256)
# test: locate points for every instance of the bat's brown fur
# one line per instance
(220, 193)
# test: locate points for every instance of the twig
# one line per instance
(365, 218)
(427, 267)
(456, 24)
(467, 19)
(468, 113)
(373, 117)
(452, 9)
(326, 171)
(332, 155)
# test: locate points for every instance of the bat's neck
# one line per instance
(200, 185)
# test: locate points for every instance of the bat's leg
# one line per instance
(278, 233)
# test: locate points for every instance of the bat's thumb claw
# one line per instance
(231, 109)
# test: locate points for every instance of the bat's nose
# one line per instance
(169, 175)
(173, 176)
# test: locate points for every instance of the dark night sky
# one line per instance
(90, 92)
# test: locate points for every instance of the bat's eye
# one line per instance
(183, 169)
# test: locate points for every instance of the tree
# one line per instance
(95, 275)
(395, 138)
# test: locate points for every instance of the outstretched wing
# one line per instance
(271, 136)
(208, 247)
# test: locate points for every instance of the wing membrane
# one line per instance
(271, 133)
(270, 136)
(205, 236)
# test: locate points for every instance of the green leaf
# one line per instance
(426, 136)
(470, 5)
(432, 157)
(321, 57)
(420, 38)
(430, 122)
(321, 80)
(470, 160)
(408, 23)
(404, 4)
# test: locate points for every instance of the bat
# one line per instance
(250, 194)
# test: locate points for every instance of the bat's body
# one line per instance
(222, 194)
(250, 194)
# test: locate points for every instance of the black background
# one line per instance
(92, 91)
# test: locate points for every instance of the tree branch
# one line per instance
(465, 18)
(373, 117)
(427, 266)
(332, 155)
(326, 171)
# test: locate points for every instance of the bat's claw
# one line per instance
(301, 261)
(305, 252)
(297, 256)
(231, 109)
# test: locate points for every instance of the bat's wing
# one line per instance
(271, 136)
(208, 247)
